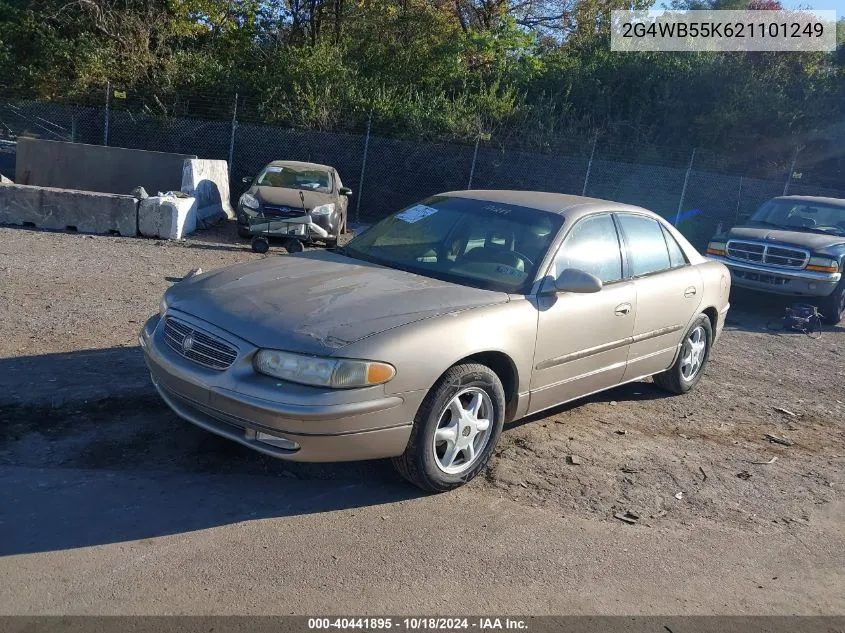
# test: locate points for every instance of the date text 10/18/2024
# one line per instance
(419, 624)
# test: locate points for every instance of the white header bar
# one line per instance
(722, 31)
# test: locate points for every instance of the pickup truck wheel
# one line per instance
(833, 306)
(455, 430)
(690, 364)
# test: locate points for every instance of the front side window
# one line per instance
(295, 178)
(593, 247)
(478, 243)
(646, 245)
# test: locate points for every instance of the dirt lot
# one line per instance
(76, 407)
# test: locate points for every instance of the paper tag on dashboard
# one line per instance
(415, 213)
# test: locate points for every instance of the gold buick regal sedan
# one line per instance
(427, 332)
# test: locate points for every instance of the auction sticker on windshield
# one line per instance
(415, 213)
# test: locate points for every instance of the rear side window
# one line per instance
(676, 255)
(592, 246)
(646, 245)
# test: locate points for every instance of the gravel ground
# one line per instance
(76, 399)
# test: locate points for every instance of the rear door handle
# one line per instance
(690, 292)
(623, 309)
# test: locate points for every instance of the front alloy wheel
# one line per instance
(455, 430)
(463, 431)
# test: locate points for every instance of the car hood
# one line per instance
(318, 302)
(290, 197)
(811, 241)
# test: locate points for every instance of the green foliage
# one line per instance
(529, 72)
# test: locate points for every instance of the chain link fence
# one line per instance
(691, 188)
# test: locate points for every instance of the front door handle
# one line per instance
(623, 309)
(690, 292)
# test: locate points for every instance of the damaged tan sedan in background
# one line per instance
(426, 333)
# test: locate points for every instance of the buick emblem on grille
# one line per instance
(188, 343)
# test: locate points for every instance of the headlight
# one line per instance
(249, 201)
(323, 209)
(162, 307)
(823, 265)
(337, 373)
(716, 248)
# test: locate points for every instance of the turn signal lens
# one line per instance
(716, 248)
(822, 265)
(379, 372)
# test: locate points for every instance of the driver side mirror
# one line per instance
(574, 280)
(345, 191)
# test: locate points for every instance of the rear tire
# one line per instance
(426, 461)
(688, 368)
(833, 307)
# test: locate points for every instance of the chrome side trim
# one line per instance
(639, 338)
(581, 376)
(584, 353)
(605, 347)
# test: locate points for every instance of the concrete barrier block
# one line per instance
(20, 204)
(208, 182)
(167, 217)
(62, 209)
(92, 212)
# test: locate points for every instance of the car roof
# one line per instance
(836, 202)
(570, 205)
(300, 164)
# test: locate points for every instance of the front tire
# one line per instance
(455, 430)
(688, 368)
(832, 307)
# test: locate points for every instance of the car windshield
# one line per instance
(800, 215)
(288, 177)
(471, 242)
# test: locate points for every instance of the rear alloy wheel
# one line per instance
(688, 368)
(455, 430)
(833, 307)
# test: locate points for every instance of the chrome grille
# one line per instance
(778, 256)
(203, 348)
(281, 211)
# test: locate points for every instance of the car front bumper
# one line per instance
(255, 222)
(292, 422)
(778, 280)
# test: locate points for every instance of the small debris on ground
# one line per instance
(771, 461)
(574, 460)
(630, 471)
(779, 440)
(679, 495)
(613, 403)
(744, 475)
(621, 432)
(703, 474)
(628, 517)
(785, 411)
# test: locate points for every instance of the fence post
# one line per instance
(589, 165)
(738, 200)
(791, 170)
(232, 137)
(73, 128)
(684, 189)
(474, 158)
(106, 122)
(363, 170)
